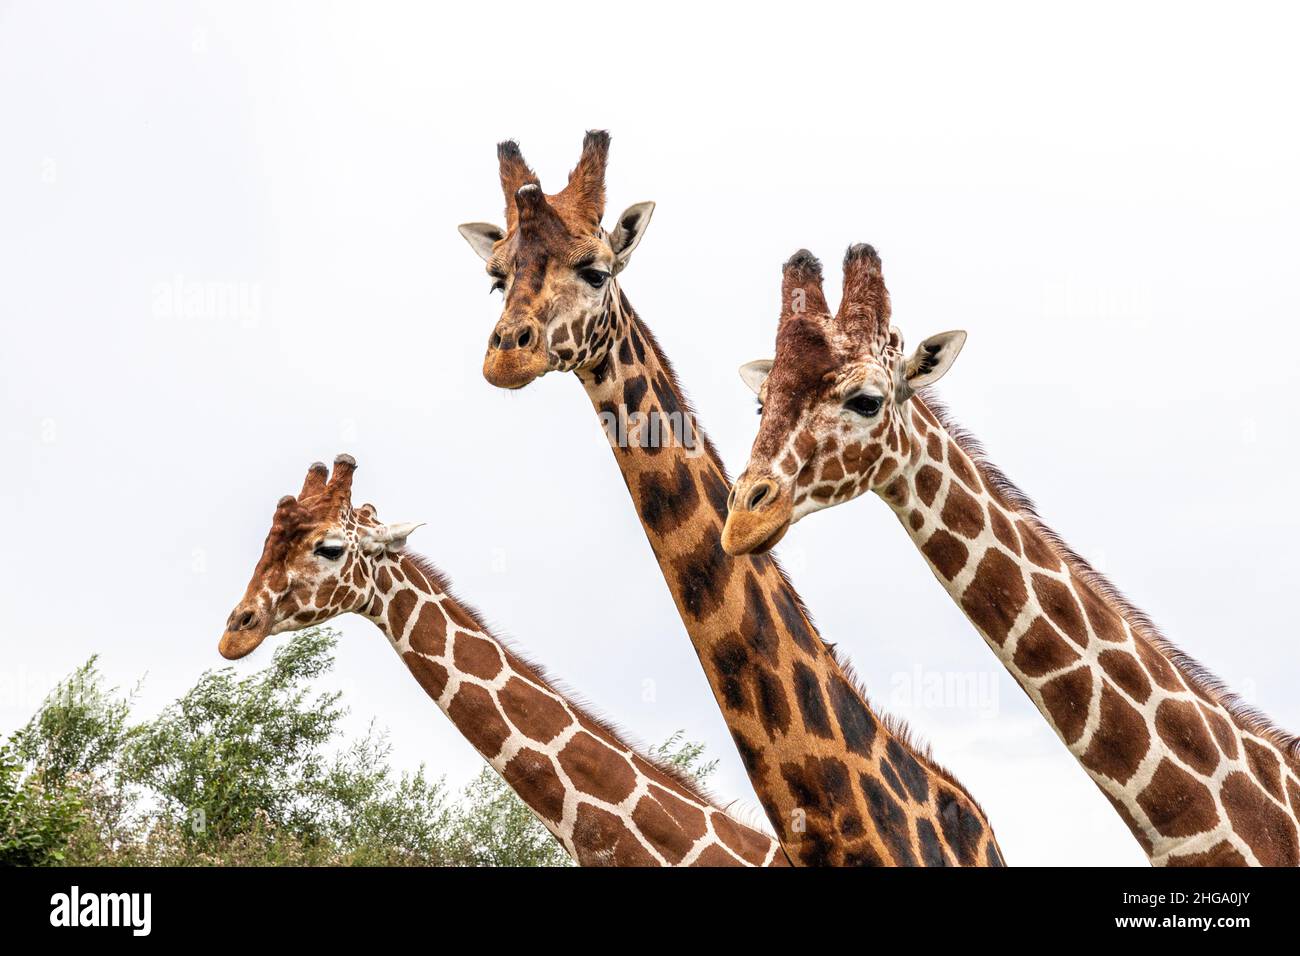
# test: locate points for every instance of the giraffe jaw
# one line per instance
(771, 541)
(514, 368)
(748, 533)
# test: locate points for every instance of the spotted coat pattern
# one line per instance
(607, 803)
(1197, 777)
(840, 785)
(604, 801)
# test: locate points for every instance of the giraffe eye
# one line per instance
(498, 285)
(864, 404)
(329, 552)
(594, 277)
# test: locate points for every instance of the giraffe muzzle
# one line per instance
(758, 516)
(246, 628)
(516, 354)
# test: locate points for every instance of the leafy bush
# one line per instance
(35, 822)
(249, 772)
(77, 730)
(232, 754)
(496, 828)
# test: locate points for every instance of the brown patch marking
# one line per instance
(474, 712)
(474, 655)
(532, 775)
(946, 552)
(429, 636)
(1067, 699)
(1267, 829)
(1125, 671)
(995, 596)
(1177, 804)
(1040, 650)
(962, 513)
(608, 775)
(1120, 740)
(1059, 605)
(1178, 722)
(537, 715)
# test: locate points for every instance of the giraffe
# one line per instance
(1199, 778)
(607, 803)
(840, 785)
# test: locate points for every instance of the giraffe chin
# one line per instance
(747, 533)
(513, 368)
(236, 644)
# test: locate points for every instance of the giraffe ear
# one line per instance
(388, 537)
(929, 362)
(628, 232)
(481, 236)
(755, 373)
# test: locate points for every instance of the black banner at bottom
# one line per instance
(216, 906)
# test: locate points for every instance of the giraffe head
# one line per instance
(834, 402)
(555, 265)
(318, 560)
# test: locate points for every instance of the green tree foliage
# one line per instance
(35, 822)
(78, 729)
(250, 771)
(497, 828)
(234, 752)
(684, 755)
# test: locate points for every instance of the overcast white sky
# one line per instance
(1107, 200)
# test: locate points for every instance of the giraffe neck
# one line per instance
(1195, 777)
(840, 785)
(604, 801)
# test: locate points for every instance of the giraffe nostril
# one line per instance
(758, 495)
(245, 621)
(525, 337)
(731, 498)
(496, 340)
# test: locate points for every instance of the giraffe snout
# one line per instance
(758, 514)
(246, 628)
(516, 352)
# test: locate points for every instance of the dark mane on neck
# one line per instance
(575, 700)
(1250, 718)
(899, 729)
(688, 410)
